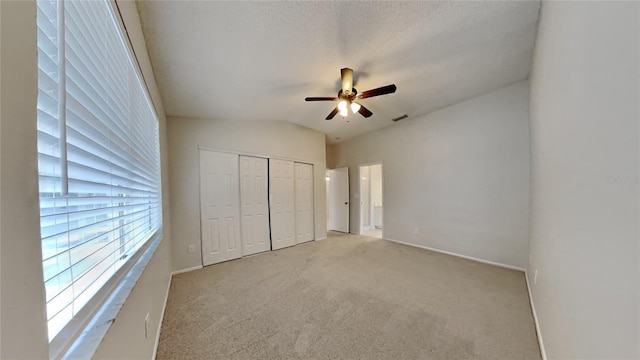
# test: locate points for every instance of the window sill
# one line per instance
(91, 327)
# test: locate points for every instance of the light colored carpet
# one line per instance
(349, 297)
(376, 233)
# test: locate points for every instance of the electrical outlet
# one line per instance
(191, 249)
(415, 230)
(146, 326)
(535, 277)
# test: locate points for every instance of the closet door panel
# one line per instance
(281, 197)
(254, 205)
(304, 202)
(219, 207)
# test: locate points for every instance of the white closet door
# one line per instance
(282, 203)
(219, 207)
(254, 205)
(304, 202)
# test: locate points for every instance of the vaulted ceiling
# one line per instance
(257, 61)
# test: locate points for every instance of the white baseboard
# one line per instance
(164, 307)
(186, 270)
(535, 319)
(458, 255)
(322, 238)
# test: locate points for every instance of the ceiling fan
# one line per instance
(348, 95)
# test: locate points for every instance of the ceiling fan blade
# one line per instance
(320, 99)
(332, 114)
(364, 111)
(347, 80)
(389, 89)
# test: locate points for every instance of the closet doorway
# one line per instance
(252, 204)
(371, 200)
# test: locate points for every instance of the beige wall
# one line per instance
(23, 308)
(270, 139)
(330, 149)
(459, 175)
(22, 313)
(376, 185)
(584, 235)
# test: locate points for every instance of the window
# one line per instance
(98, 153)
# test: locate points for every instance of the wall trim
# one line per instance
(543, 352)
(164, 308)
(459, 255)
(322, 238)
(186, 270)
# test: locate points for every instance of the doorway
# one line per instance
(371, 200)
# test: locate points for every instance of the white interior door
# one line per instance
(219, 207)
(282, 203)
(339, 199)
(254, 205)
(304, 202)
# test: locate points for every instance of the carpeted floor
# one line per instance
(349, 297)
(376, 233)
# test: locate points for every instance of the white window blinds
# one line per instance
(98, 153)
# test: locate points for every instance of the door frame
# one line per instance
(360, 166)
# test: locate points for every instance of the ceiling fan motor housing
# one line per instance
(349, 96)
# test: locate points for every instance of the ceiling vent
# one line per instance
(400, 118)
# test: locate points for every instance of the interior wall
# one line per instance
(276, 139)
(456, 179)
(585, 157)
(376, 196)
(23, 314)
(376, 185)
(330, 150)
(327, 198)
(0, 184)
(365, 193)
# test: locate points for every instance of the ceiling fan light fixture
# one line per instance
(342, 106)
(348, 94)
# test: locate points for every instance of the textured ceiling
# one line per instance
(259, 60)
